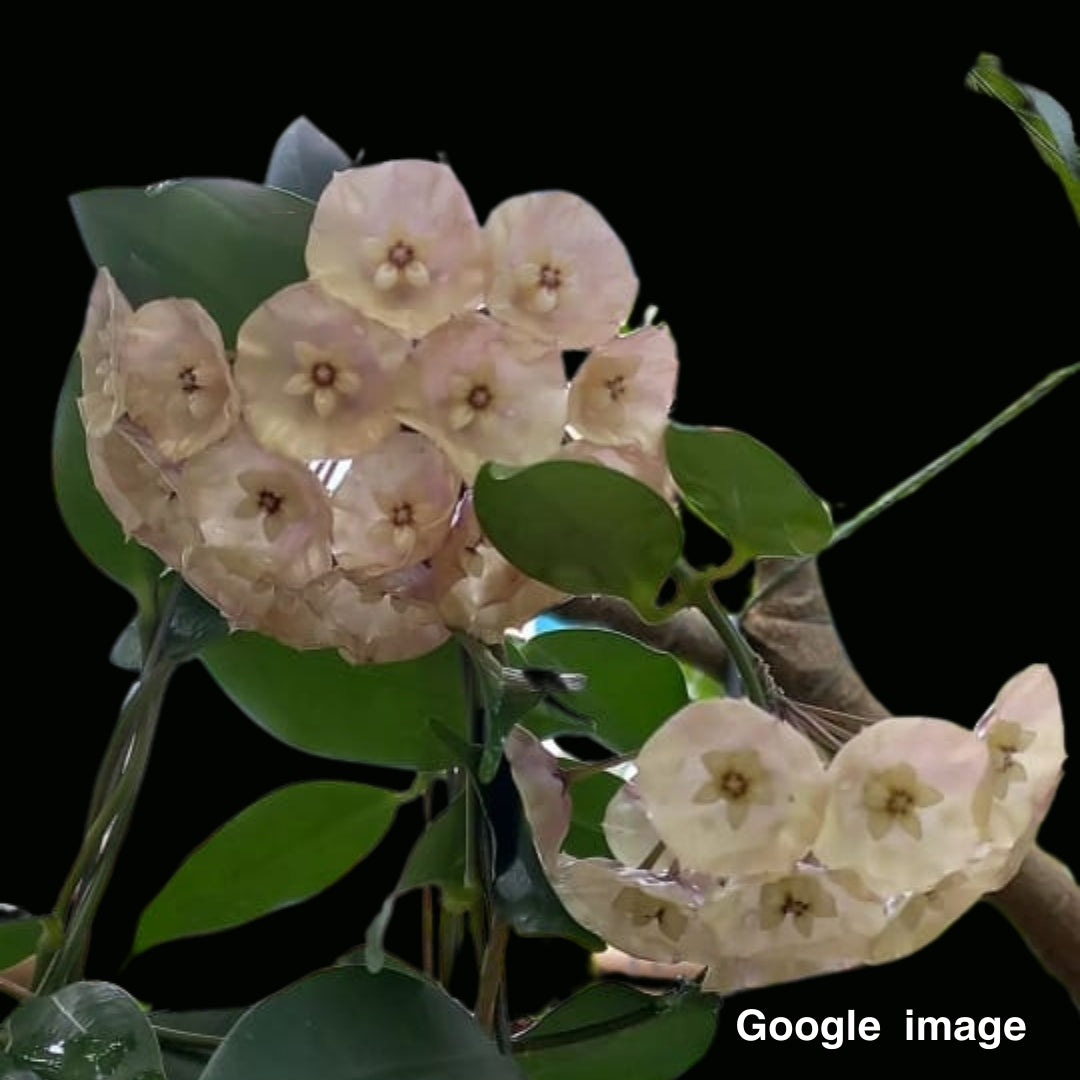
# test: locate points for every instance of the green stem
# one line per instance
(195, 1040)
(492, 974)
(924, 475)
(695, 588)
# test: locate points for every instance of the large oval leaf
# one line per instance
(631, 688)
(90, 522)
(88, 1029)
(580, 527)
(610, 1032)
(227, 243)
(304, 160)
(288, 846)
(746, 492)
(379, 714)
(348, 1024)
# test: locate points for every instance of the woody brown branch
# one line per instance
(792, 630)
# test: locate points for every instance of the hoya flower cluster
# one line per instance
(313, 482)
(737, 846)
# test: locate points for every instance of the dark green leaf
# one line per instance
(631, 688)
(580, 527)
(747, 493)
(225, 243)
(590, 796)
(438, 858)
(348, 1024)
(187, 1062)
(304, 160)
(288, 846)
(1045, 120)
(610, 1032)
(19, 939)
(375, 713)
(82, 1032)
(90, 522)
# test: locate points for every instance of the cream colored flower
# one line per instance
(317, 379)
(907, 803)
(270, 513)
(630, 834)
(394, 506)
(623, 392)
(400, 242)
(176, 379)
(731, 789)
(559, 270)
(542, 787)
(485, 392)
(630, 460)
(102, 401)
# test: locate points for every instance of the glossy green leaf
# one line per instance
(227, 243)
(288, 846)
(631, 688)
(746, 492)
(610, 1032)
(19, 939)
(437, 858)
(580, 527)
(304, 160)
(349, 1024)
(187, 1061)
(90, 522)
(1046, 121)
(82, 1032)
(380, 714)
(590, 797)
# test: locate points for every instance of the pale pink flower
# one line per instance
(558, 270)
(485, 392)
(102, 401)
(630, 460)
(176, 378)
(394, 506)
(270, 512)
(543, 790)
(907, 803)
(316, 377)
(624, 390)
(630, 834)
(731, 789)
(141, 491)
(399, 241)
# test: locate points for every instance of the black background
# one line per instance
(861, 262)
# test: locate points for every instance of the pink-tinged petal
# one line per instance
(400, 242)
(177, 383)
(542, 787)
(907, 803)
(642, 913)
(382, 619)
(1025, 736)
(624, 390)
(558, 270)
(485, 392)
(394, 507)
(630, 833)
(102, 401)
(731, 789)
(267, 510)
(141, 490)
(630, 460)
(317, 378)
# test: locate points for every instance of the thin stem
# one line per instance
(196, 1040)
(427, 906)
(695, 587)
(917, 480)
(16, 990)
(492, 973)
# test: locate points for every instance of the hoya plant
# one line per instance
(407, 483)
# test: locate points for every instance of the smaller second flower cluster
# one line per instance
(737, 847)
(313, 483)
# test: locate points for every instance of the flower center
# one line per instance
(616, 387)
(734, 785)
(189, 380)
(899, 802)
(480, 397)
(400, 255)
(323, 374)
(269, 501)
(402, 514)
(792, 905)
(550, 277)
